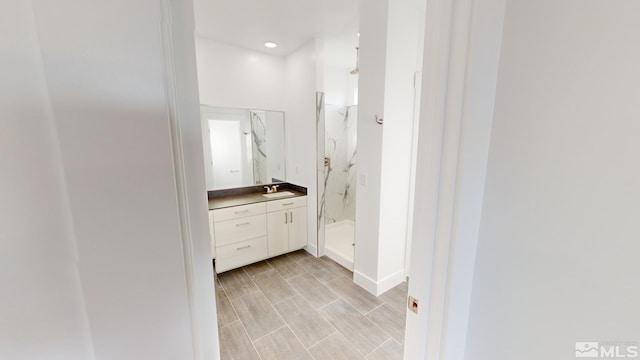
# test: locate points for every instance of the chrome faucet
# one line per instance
(272, 189)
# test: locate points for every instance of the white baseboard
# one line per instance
(389, 282)
(365, 282)
(378, 288)
(311, 249)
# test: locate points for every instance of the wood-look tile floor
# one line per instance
(296, 306)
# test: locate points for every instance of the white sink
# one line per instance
(278, 194)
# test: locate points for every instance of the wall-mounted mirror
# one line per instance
(243, 147)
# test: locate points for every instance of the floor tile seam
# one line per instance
(299, 293)
(314, 309)
(286, 325)
(344, 335)
(247, 293)
(285, 299)
(335, 331)
(325, 284)
(382, 329)
(293, 277)
(337, 275)
(259, 273)
(372, 310)
(260, 290)
(357, 307)
(300, 341)
(231, 323)
(250, 279)
(324, 306)
(280, 316)
(379, 346)
(333, 278)
(230, 303)
(267, 334)
(303, 257)
(244, 328)
(279, 301)
(297, 276)
(396, 307)
(363, 316)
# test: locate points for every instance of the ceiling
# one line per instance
(289, 23)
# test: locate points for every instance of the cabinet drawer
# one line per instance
(284, 204)
(231, 231)
(236, 212)
(241, 253)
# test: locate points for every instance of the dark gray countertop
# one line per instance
(250, 195)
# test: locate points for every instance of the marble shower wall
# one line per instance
(259, 146)
(340, 171)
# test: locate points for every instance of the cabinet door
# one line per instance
(297, 228)
(278, 232)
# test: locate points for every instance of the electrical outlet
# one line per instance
(413, 304)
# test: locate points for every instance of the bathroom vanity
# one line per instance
(248, 225)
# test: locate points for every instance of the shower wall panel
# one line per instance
(340, 163)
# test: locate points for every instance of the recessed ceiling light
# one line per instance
(270, 44)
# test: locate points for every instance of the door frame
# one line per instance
(186, 135)
(460, 71)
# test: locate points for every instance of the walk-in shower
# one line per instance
(339, 162)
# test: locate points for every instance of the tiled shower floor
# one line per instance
(296, 306)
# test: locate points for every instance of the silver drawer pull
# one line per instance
(287, 204)
(244, 247)
(241, 212)
(291, 214)
(243, 224)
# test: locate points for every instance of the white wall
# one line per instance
(403, 36)
(106, 76)
(386, 90)
(230, 76)
(42, 310)
(557, 255)
(373, 34)
(336, 83)
(300, 127)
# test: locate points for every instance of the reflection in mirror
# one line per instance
(242, 147)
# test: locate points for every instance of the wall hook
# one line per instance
(379, 120)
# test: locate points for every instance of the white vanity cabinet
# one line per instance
(211, 234)
(240, 234)
(286, 225)
(245, 234)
